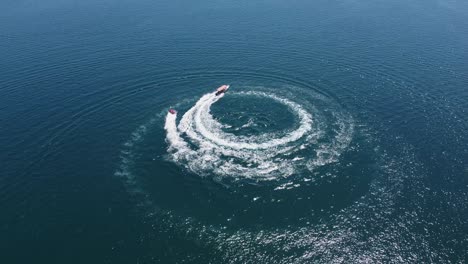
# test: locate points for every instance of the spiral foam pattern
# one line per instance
(201, 143)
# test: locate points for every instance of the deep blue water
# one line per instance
(89, 173)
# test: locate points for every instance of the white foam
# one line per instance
(262, 157)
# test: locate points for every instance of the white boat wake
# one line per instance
(200, 144)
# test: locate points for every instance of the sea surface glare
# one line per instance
(343, 137)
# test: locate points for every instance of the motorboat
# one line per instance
(222, 89)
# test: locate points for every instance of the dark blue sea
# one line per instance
(343, 137)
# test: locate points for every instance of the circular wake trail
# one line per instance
(200, 143)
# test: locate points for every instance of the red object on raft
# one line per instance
(172, 111)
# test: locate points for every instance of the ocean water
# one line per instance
(343, 137)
